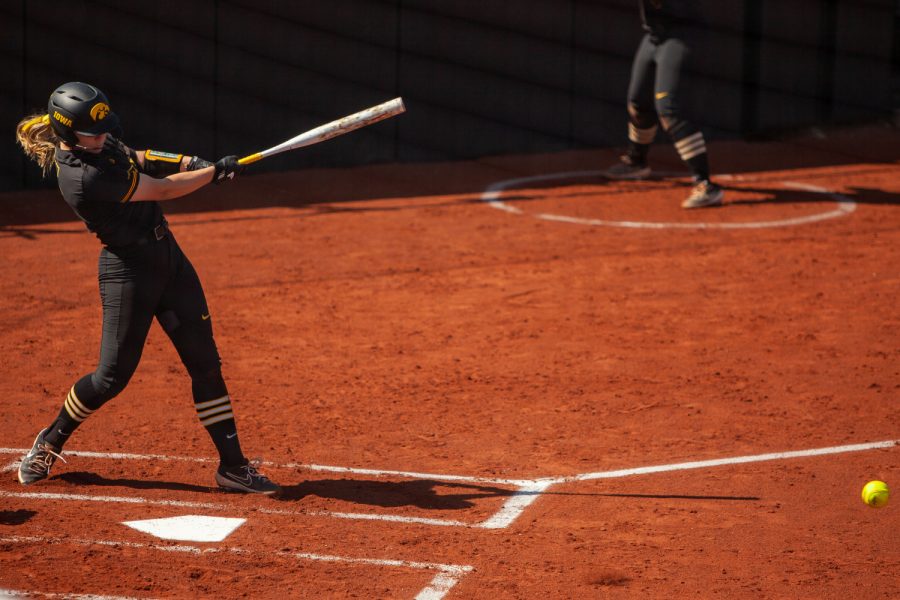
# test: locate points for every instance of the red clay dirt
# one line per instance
(387, 318)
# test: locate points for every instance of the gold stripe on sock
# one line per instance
(210, 403)
(77, 403)
(213, 411)
(217, 419)
(689, 140)
(74, 409)
(689, 154)
(641, 136)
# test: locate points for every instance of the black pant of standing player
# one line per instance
(654, 99)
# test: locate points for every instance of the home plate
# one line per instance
(188, 528)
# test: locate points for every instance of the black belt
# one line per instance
(156, 234)
(152, 236)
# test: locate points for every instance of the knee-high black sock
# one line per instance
(217, 417)
(691, 147)
(639, 140)
(73, 413)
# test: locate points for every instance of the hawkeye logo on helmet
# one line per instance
(99, 111)
(64, 120)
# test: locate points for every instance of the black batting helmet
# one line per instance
(82, 108)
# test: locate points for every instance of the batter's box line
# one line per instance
(445, 579)
(524, 493)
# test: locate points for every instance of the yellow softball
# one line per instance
(875, 494)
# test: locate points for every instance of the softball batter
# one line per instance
(653, 99)
(142, 271)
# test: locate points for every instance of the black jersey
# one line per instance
(666, 18)
(99, 188)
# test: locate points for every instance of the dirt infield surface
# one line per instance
(459, 372)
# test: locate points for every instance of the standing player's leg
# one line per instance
(128, 291)
(642, 119)
(671, 56)
(184, 315)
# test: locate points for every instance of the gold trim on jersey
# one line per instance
(133, 173)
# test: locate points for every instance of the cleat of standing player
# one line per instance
(36, 464)
(704, 194)
(247, 479)
(628, 168)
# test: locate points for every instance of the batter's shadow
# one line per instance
(16, 517)
(426, 494)
(420, 493)
(87, 478)
(859, 195)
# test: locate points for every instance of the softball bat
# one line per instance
(333, 129)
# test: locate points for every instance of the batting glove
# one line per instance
(226, 168)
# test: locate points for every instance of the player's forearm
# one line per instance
(182, 184)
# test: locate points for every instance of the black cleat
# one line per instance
(245, 478)
(628, 167)
(36, 464)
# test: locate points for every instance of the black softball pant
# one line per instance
(653, 91)
(136, 285)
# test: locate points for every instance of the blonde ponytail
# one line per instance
(38, 140)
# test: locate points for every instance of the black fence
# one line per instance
(479, 77)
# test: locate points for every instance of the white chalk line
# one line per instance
(516, 505)
(736, 460)
(307, 467)
(227, 507)
(9, 594)
(222, 507)
(448, 574)
(13, 466)
(493, 193)
(413, 475)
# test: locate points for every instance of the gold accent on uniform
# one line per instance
(99, 111)
(691, 146)
(661, 95)
(163, 156)
(641, 136)
(75, 408)
(214, 411)
(218, 419)
(133, 174)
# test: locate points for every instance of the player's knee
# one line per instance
(676, 128)
(633, 109)
(640, 117)
(207, 380)
(109, 382)
(637, 112)
(207, 372)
